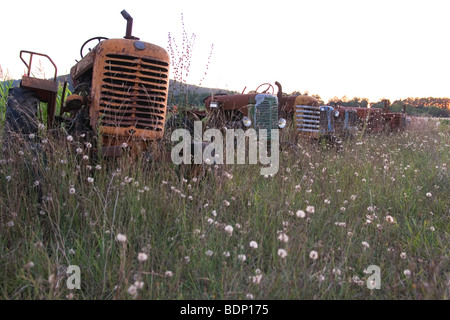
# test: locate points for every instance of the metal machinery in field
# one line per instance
(120, 95)
(251, 110)
(395, 121)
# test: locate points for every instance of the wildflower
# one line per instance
(257, 279)
(69, 138)
(168, 274)
(407, 273)
(79, 150)
(210, 221)
(98, 167)
(327, 201)
(90, 180)
(142, 257)
(10, 224)
(121, 238)
(132, 290)
(310, 209)
(313, 255)
(337, 271)
(300, 214)
(283, 237)
(124, 145)
(242, 257)
(353, 197)
(429, 194)
(88, 145)
(29, 265)
(432, 228)
(343, 209)
(85, 157)
(209, 253)
(365, 244)
(370, 209)
(8, 178)
(253, 245)
(139, 284)
(403, 255)
(282, 253)
(72, 190)
(250, 296)
(226, 203)
(389, 219)
(226, 254)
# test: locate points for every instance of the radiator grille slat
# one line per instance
(307, 118)
(133, 92)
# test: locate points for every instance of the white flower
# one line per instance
(79, 150)
(121, 238)
(139, 284)
(10, 224)
(365, 244)
(282, 253)
(310, 209)
(253, 245)
(226, 254)
(168, 274)
(88, 145)
(250, 296)
(90, 180)
(72, 190)
(313, 255)
(209, 253)
(353, 197)
(85, 157)
(242, 257)
(8, 178)
(300, 214)
(98, 167)
(257, 279)
(124, 145)
(283, 237)
(29, 265)
(432, 228)
(407, 273)
(389, 219)
(429, 194)
(142, 257)
(403, 255)
(226, 203)
(132, 290)
(69, 138)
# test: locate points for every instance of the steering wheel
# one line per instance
(269, 86)
(92, 39)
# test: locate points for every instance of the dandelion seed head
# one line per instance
(282, 253)
(313, 255)
(121, 238)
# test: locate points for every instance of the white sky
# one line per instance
(375, 49)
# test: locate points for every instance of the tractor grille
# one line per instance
(266, 114)
(307, 118)
(133, 92)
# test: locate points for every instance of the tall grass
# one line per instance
(381, 201)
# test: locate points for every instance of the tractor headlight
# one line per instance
(214, 104)
(281, 123)
(246, 121)
(336, 113)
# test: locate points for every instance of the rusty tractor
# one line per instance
(258, 110)
(120, 95)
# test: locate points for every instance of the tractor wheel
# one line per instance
(20, 116)
(21, 132)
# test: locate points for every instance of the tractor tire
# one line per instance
(21, 115)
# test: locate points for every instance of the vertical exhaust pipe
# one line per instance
(129, 19)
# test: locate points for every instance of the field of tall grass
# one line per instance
(140, 230)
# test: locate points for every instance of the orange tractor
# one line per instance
(121, 88)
